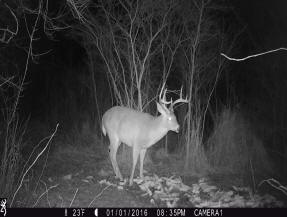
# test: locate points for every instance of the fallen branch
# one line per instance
(98, 195)
(275, 184)
(45, 192)
(74, 198)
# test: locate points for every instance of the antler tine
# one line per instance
(162, 99)
(180, 99)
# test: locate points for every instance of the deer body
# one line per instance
(138, 130)
(133, 127)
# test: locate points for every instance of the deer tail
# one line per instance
(104, 129)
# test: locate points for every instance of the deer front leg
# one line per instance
(142, 155)
(136, 152)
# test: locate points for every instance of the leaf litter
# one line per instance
(172, 192)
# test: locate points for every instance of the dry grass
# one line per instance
(234, 149)
(11, 157)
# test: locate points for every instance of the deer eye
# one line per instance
(169, 118)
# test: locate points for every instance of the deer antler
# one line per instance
(162, 99)
(179, 100)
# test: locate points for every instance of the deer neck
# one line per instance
(158, 130)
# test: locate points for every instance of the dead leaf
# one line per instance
(67, 177)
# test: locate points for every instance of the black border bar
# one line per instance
(134, 212)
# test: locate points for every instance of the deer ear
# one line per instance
(160, 108)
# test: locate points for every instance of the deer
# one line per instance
(138, 130)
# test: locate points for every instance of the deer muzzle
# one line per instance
(177, 129)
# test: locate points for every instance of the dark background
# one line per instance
(264, 26)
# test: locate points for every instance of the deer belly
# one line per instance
(132, 140)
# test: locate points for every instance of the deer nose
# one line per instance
(177, 129)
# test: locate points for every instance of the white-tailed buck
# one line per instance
(138, 130)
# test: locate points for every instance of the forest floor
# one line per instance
(77, 173)
(83, 177)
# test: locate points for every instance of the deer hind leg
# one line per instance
(142, 155)
(136, 152)
(114, 145)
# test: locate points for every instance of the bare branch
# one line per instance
(33, 163)
(252, 56)
(29, 54)
(7, 30)
(78, 7)
(8, 80)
